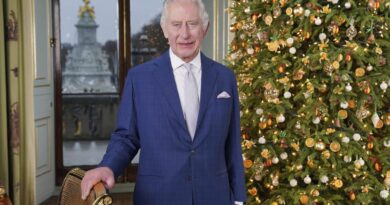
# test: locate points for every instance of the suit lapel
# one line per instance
(164, 75)
(209, 77)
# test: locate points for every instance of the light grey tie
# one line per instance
(191, 100)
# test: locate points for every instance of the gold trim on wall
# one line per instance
(4, 176)
(220, 23)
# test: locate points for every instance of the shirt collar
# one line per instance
(176, 62)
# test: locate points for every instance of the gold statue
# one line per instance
(87, 9)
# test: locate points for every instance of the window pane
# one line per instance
(89, 61)
(147, 38)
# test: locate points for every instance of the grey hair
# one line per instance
(202, 12)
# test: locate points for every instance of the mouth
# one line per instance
(186, 44)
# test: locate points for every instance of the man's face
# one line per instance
(183, 29)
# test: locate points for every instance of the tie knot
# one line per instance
(188, 67)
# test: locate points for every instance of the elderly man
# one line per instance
(182, 111)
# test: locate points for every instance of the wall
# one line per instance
(216, 41)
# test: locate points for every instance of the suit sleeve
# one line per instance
(233, 151)
(124, 143)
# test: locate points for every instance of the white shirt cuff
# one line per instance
(238, 203)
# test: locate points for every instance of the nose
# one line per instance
(184, 31)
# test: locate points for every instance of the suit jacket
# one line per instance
(173, 169)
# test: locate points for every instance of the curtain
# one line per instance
(4, 176)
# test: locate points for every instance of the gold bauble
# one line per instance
(348, 57)
(253, 191)
(320, 146)
(306, 35)
(388, 174)
(282, 68)
(263, 125)
(367, 90)
(342, 114)
(273, 46)
(282, 3)
(337, 183)
(379, 124)
(352, 195)
(335, 146)
(326, 154)
(298, 11)
(323, 88)
(265, 153)
(309, 142)
(289, 11)
(268, 163)
(374, 4)
(245, 136)
(239, 25)
(336, 64)
(387, 181)
(310, 163)
(335, 30)
(268, 20)
(378, 166)
(351, 104)
(370, 145)
(360, 72)
(274, 203)
(254, 17)
(340, 57)
(257, 49)
(248, 163)
(298, 75)
(269, 122)
(365, 189)
(315, 192)
(304, 199)
(386, 118)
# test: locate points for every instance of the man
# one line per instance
(182, 111)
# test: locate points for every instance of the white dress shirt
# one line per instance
(179, 72)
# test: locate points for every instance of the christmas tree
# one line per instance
(313, 79)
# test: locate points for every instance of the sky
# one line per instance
(106, 12)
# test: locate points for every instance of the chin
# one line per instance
(187, 54)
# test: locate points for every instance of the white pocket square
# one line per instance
(223, 94)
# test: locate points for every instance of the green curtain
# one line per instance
(13, 42)
(3, 108)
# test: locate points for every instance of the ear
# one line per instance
(206, 29)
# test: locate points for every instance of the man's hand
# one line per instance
(93, 176)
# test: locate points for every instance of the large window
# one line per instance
(92, 58)
(147, 37)
(89, 89)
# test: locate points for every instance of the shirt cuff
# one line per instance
(238, 203)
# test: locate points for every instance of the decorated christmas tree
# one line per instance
(313, 79)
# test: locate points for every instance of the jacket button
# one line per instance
(192, 151)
